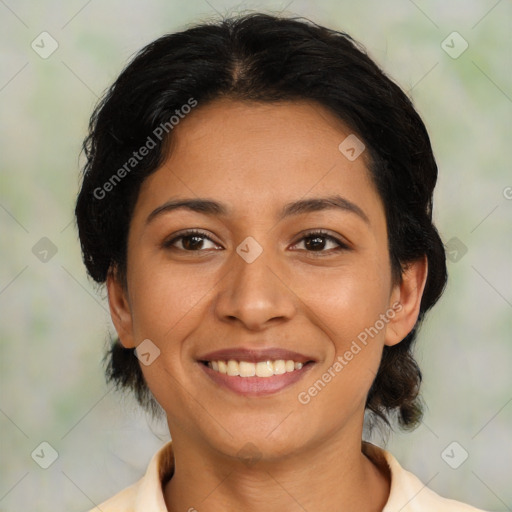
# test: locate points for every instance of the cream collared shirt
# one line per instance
(407, 493)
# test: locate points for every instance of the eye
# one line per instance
(194, 241)
(191, 240)
(316, 241)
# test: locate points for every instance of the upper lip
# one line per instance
(254, 355)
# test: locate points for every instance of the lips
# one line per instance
(255, 372)
(255, 356)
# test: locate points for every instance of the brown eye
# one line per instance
(317, 241)
(192, 241)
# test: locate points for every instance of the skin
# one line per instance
(255, 158)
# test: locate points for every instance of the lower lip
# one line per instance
(256, 386)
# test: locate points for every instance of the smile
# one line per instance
(255, 372)
(267, 368)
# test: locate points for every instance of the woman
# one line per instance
(257, 198)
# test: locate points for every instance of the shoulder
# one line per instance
(121, 502)
(145, 495)
(408, 493)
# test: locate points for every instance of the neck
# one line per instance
(320, 478)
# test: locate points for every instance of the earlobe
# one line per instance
(120, 310)
(406, 301)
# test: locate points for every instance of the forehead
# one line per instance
(257, 156)
(302, 131)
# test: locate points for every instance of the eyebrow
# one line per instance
(214, 208)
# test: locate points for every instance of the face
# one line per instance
(261, 273)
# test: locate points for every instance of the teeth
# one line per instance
(246, 369)
(260, 369)
(279, 367)
(233, 368)
(264, 369)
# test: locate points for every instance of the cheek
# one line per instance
(168, 304)
(347, 306)
(165, 300)
(346, 301)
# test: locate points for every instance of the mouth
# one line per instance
(250, 372)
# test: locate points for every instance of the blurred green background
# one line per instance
(54, 323)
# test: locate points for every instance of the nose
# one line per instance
(255, 294)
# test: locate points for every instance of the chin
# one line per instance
(261, 441)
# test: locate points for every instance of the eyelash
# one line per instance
(312, 234)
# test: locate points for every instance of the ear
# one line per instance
(405, 301)
(120, 310)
